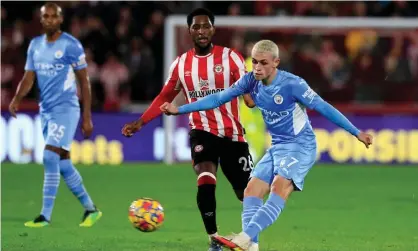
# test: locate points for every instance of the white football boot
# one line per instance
(253, 247)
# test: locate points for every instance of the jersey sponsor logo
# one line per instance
(49, 70)
(204, 93)
(204, 89)
(59, 54)
(218, 69)
(272, 117)
(203, 84)
(278, 99)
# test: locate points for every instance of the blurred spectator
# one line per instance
(141, 66)
(93, 69)
(96, 38)
(237, 43)
(359, 9)
(396, 66)
(412, 54)
(305, 63)
(76, 28)
(332, 65)
(7, 72)
(357, 40)
(18, 33)
(113, 74)
(124, 31)
(234, 9)
(367, 76)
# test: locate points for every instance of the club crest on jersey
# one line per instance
(58, 54)
(198, 148)
(278, 99)
(218, 69)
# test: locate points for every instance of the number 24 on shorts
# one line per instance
(247, 163)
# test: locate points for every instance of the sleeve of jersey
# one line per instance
(335, 116)
(308, 97)
(29, 66)
(215, 100)
(167, 94)
(77, 56)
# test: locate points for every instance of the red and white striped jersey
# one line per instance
(199, 76)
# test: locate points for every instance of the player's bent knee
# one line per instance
(256, 188)
(282, 187)
(205, 167)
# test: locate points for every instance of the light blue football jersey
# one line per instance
(54, 64)
(282, 104)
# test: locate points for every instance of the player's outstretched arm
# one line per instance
(303, 93)
(335, 116)
(211, 101)
(169, 92)
(23, 89)
(207, 103)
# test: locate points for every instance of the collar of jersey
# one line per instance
(53, 42)
(204, 56)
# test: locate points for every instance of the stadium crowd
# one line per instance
(124, 47)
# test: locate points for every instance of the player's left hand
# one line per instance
(169, 109)
(365, 138)
(87, 128)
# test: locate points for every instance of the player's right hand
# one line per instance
(365, 138)
(169, 109)
(14, 107)
(87, 127)
(131, 128)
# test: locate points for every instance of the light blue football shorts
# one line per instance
(59, 126)
(291, 161)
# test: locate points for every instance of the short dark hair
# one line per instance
(200, 12)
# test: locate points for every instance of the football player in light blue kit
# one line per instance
(57, 59)
(282, 98)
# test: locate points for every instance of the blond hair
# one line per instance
(266, 46)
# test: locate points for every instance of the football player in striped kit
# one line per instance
(217, 135)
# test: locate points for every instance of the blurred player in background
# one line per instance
(282, 98)
(52, 59)
(216, 135)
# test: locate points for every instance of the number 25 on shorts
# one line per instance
(56, 131)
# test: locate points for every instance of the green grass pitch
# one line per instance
(343, 208)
